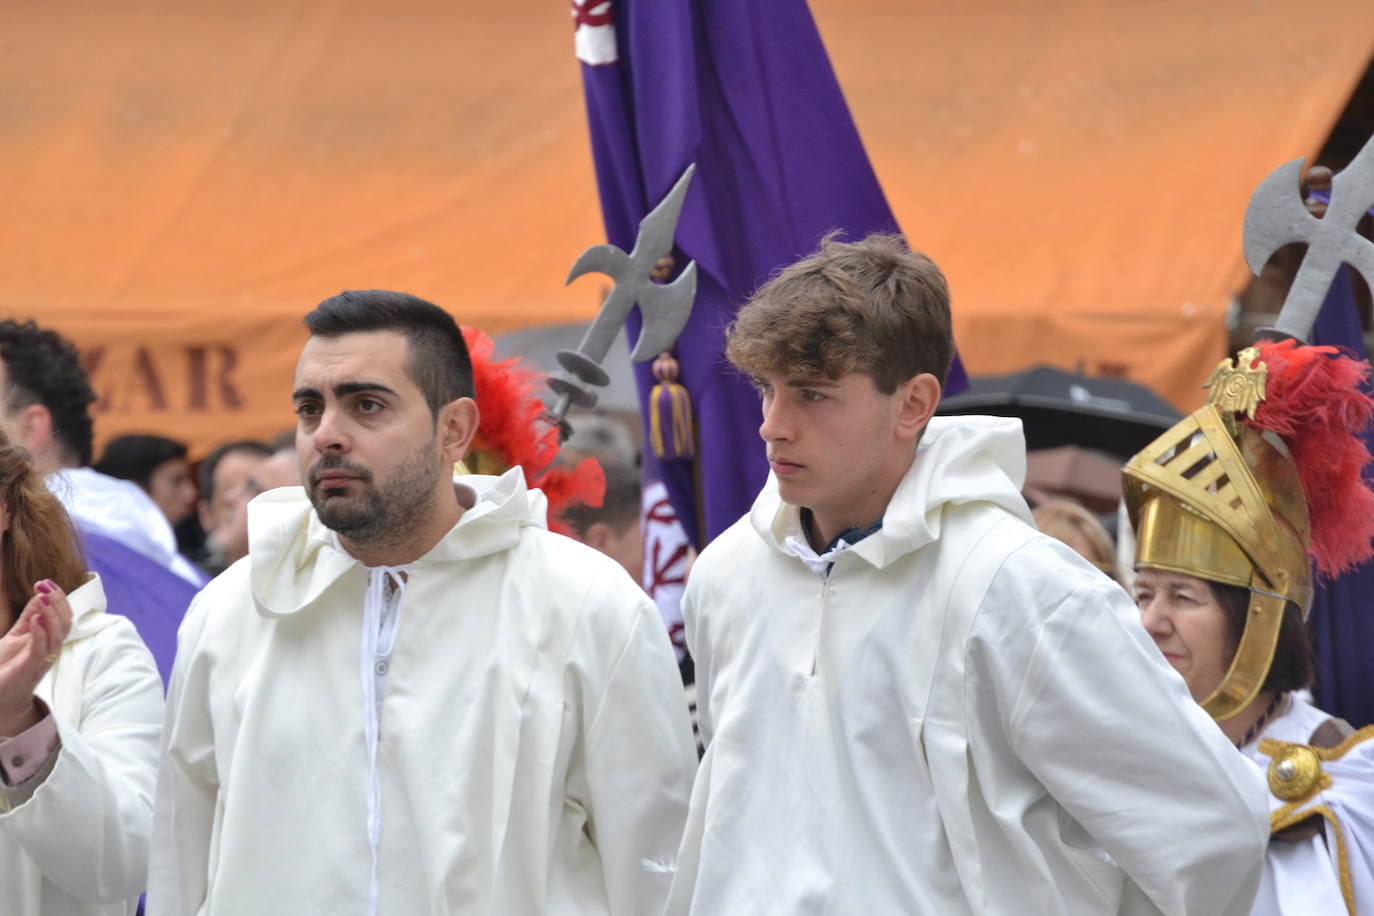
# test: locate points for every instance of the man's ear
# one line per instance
(919, 396)
(598, 536)
(457, 425)
(31, 427)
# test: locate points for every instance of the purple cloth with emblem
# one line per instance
(150, 595)
(1342, 618)
(746, 91)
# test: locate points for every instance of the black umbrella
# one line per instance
(1063, 408)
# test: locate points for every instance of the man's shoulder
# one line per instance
(740, 544)
(582, 574)
(227, 597)
(568, 555)
(1041, 576)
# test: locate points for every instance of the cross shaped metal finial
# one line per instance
(1277, 217)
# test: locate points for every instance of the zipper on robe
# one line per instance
(380, 623)
(820, 626)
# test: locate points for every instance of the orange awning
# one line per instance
(1080, 170)
(184, 180)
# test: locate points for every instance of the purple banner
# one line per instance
(1342, 618)
(746, 91)
(152, 596)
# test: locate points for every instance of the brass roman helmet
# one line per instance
(1219, 499)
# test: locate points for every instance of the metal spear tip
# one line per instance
(1275, 215)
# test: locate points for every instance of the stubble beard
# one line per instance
(387, 512)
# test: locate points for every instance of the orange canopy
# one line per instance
(1081, 169)
(183, 180)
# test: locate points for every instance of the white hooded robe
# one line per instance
(963, 717)
(535, 754)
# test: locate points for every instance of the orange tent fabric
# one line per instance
(183, 180)
(1081, 170)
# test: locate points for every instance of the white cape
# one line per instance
(1332, 872)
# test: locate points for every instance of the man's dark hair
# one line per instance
(44, 368)
(137, 457)
(619, 508)
(205, 474)
(1295, 659)
(439, 363)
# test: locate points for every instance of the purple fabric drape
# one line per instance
(746, 91)
(1342, 616)
(152, 596)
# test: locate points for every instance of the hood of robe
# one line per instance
(88, 610)
(118, 509)
(294, 557)
(960, 460)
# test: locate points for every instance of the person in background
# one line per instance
(1068, 521)
(614, 527)
(1226, 543)
(45, 400)
(280, 469)
(80, 718)
(224, 496)
(159, 466)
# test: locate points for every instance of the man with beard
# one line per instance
(410, 697)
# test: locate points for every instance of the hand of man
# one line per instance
(27, 651)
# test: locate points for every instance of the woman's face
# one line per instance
(1182, 616)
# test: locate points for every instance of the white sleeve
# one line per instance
(639, 763)
(188, 782)
(1097, 715)
(87, 825)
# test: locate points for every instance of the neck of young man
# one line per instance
(859, 512)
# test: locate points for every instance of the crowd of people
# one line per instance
(390, 688)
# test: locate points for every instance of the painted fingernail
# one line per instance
(45, 586)
(44, 599)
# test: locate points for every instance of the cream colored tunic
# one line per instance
(963, 717)
(534, 755)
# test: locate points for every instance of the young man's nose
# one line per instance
(776, 425)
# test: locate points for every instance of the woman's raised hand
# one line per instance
(27, 651)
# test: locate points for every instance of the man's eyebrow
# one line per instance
(812, 383)
(342, 390)
(346, 388)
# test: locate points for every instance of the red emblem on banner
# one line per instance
(592, 12)
(594, 31)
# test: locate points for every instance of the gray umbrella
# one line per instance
(1063, 408)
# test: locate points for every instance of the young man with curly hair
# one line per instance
(915, 703)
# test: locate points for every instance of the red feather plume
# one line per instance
(1314, 400)
(513, 430)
